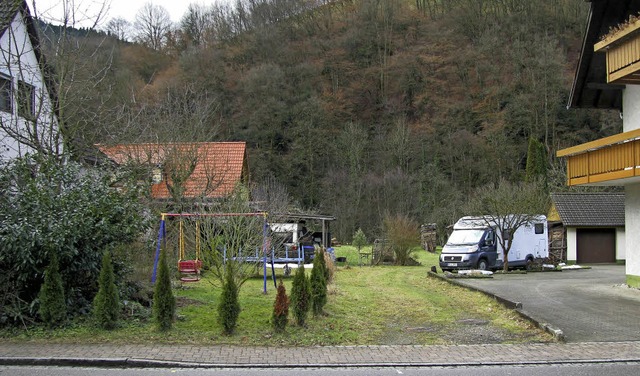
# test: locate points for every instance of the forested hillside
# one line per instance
(358, 107)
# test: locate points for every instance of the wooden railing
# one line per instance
(622, 54)
(605, 160)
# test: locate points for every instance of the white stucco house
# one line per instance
(28, 120)
(608, 77)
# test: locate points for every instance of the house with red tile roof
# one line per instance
(206, 170)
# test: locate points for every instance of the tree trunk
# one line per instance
(506, 262)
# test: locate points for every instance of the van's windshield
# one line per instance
(465, 237)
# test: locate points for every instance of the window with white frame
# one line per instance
(26, 100)
(6, 93)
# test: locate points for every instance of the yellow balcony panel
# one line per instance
(600, 143)
(622, 49)
(612, 160)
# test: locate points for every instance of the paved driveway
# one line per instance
(587, 305)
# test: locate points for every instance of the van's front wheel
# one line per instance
(482, 264)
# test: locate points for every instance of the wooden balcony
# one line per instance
(622, 54)
(611, 160)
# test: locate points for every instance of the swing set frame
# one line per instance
(265, 254)
(190, 268)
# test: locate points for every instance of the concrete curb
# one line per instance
(557, 333)
(150, 363)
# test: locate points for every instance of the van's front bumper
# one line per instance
(458, 261)
(457, 265)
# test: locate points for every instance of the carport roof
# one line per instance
(590, 209)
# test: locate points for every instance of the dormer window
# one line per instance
(6, 94)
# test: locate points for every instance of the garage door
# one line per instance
(596, 245)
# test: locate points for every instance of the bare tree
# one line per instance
(80, 67)
(236, 239)
(119, 28)
(508, 206)
(175, 113)
(41, 93)
(152, 25)
(271, 196)
(403, 235)
(75, 13)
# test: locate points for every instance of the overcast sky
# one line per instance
(87, 10)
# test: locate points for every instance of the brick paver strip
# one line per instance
(187, 355)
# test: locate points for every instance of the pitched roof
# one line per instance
(216, 167)
(590, 209)
(8, 10)
(590, 88)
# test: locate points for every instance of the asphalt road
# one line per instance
(584, 369)
(588, 305)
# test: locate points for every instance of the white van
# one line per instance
(474, 244)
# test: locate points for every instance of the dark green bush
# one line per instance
(229, 306)
(318, 282)
(47, 207)
(53, 308)
(106, 305)
(300, 296)
(164, 303)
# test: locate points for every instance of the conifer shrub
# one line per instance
(164, 303)
(280, 309)
(300, 296)
(359, 239)
(536, 167)
(318, 283)
(106, 304)
(229, 306)
(53, 308)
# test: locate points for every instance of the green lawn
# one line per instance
(367, 305)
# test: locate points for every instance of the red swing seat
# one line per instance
(190, 270)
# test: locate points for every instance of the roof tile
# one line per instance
(590, 209)
(218, 166)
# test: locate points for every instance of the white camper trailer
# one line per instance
(474, 244)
